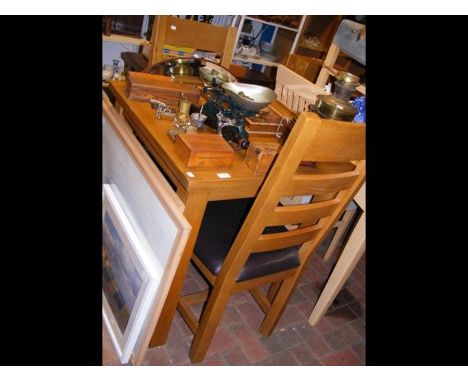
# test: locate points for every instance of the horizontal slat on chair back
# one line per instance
(318, 184)
(292, 100)
(295, 91)
(337, 142)
(304, 214)
(189, 33)
(286, 239)
(332, 183)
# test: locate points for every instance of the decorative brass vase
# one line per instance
(337, 106)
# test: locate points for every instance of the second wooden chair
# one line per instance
(241, 248)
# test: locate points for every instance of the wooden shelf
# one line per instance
(273, 24)
(259, 61)
(286, 38)
(123, 39)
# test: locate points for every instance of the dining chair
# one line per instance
(294, 91)
(191, 34)
(349, 38)
(350, 255)
(309, 67)
(244, 244)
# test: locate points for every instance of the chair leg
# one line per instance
(352, 253)
(273, 290)
(209, 321)
(340, 231)
(279, 304)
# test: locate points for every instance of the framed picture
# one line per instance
(128, 286)
(144, 233)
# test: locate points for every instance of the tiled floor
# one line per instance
(338, 339)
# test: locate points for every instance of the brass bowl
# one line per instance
(176, 67)
(330, 107)
(348, 78)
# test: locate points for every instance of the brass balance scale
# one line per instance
(229, 101)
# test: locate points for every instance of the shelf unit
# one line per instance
(123, 39)
(324, 28)
(263, 61)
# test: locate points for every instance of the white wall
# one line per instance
(112, 50)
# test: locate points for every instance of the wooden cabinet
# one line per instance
(314, 44)
(317, 35)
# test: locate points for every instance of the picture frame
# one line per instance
(144, 234)
(124, 255)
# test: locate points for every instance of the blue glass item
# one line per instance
(359, 104)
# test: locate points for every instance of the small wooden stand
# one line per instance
(260, 155)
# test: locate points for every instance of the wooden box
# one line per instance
(260, 156)
(270, 124)
(143, 86)
(204, 150)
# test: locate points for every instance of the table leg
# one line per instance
(350, 256)
(195, 205)
(118, 107)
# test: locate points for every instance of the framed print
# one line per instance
(144, 233)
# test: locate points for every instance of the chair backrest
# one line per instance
(309, 67)
(295, 91)
(324, 158)
(191, 34)
(350, 38)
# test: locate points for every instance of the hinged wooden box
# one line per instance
(270, 124)
(204, 150)
(260, 156)
(143, 86)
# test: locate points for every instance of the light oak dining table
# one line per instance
(195, 186)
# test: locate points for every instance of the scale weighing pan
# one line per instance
(248, 96)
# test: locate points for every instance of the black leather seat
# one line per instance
(220, 225)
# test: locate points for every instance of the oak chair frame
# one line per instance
(337, 153)
(191, 34)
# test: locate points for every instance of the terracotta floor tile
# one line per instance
(223, 339)
(360, 350)
(340, 316)
(291, 316)
(341, 338)
(250, 343)
(344, 357)
(235, 356)
(304, 355)
(156, 357)
(281, 340)
(251, 314)
(313, 340)
(338, 339)
(281, 359)
(360, 327)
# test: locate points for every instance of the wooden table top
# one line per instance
(154, 134)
